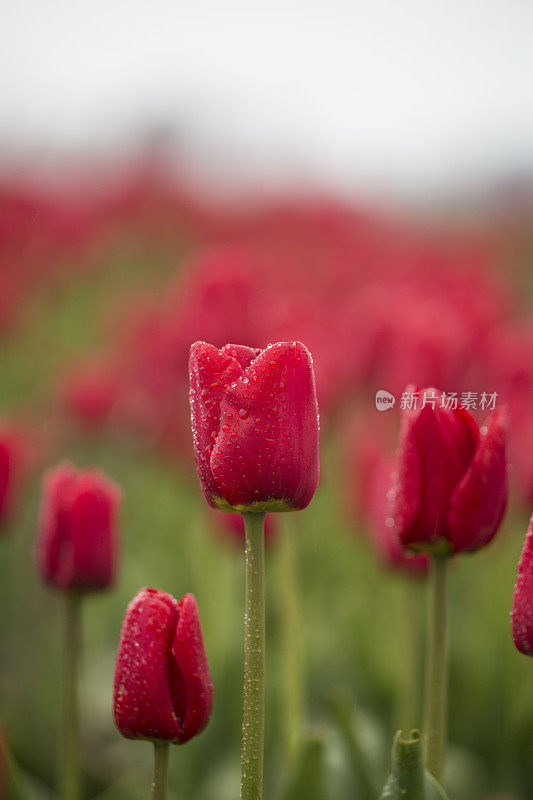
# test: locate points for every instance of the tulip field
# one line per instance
(173, 368)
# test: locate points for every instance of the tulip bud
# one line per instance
(522, 611)
(163, 690)
(450, 488)
(254, 419)
(77, 541)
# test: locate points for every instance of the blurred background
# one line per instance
(358, 176)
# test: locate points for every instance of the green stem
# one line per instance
(436, 666)
(410, 694)
(291, 641)
(159, 779)
(253, 716)
(71, 726)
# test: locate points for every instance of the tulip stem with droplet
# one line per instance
(71, 726)
(253, 717)
(159, 778)
(436, 666)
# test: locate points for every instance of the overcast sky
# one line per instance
(400, 94)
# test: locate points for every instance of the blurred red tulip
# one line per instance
(77, 543)
(522, 611)
(13, 462)
(163, 690)
(91, 393)
(255, 426)
(450, 489)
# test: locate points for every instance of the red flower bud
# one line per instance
(163, 690)
(254, 419)
(450, 488)
(77, 541)
(522, 611)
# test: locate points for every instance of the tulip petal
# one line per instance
(92, 517)
(479, 500)
(522, 611)
(211, 371)
(436, 447)
(241, 353)
(407, 479)
(53, 520)
(190, 658)
(143, 705)
(266, 453)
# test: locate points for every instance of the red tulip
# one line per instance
(522, 611)
(12, 463)
(254, 419)
(163, 690)
(77, 541)
(451, 478)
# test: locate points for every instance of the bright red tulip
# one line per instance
(163, 690)
(78, 538)
(255, 426)
(522, 611)
(451, 478)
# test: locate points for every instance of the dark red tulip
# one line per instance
(522, 611)
(254, 419)
(451, 479)
(163, 690)
(78, 538)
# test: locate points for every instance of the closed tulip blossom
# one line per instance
(451, 481)
(76, 553)
(449, 496)
(163, 690)
(254, 418)
(522, 610)
(78, 537)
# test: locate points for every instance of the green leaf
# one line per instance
(309, 781)
(362, 770)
